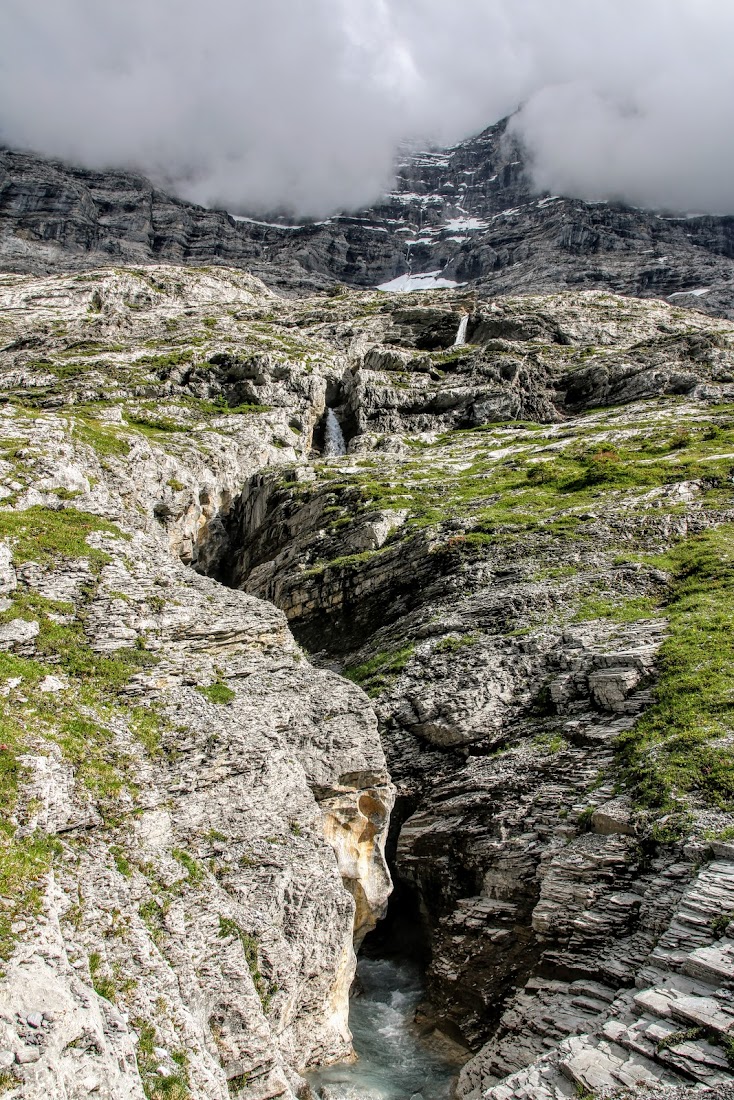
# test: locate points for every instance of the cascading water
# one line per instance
(392, 1062)
(334, 444)
(461, 334)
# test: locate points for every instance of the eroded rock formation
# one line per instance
(526, 530)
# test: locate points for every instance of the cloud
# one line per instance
(300, 104)
(647, 116)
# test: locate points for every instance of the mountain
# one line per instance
(465, 215)
(328, 612)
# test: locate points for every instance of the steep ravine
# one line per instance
(540, 885)
(539, 889)
(526, 531)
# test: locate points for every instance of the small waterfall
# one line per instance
(334, 444)
(461, 334)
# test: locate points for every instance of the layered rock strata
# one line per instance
(522, 528)
(196, 840)
(511, 652)
(464, 215)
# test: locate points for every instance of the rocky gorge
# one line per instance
(488, 646)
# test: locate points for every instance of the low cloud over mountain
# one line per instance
(301, 106)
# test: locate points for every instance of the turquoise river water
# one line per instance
(393, 1064)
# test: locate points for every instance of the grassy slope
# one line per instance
(550, 488)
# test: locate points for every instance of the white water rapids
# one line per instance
(393, 1064)
(334, 444)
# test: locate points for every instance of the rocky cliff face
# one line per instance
(196, 817)
(465, 215)
(525, 562)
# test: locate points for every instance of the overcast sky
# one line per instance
(299, 104)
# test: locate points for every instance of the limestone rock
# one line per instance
(209, 809)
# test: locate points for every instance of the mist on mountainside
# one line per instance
(302, 107)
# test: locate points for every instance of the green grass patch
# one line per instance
(347, 563)
(45, 536)
(626, 611)
(237, 1085)
(156, 425)
(155, 1087)
(381, 670)
(122, 863)
(23, 863)
(102, 984)
(455, 642)
(218, 693)
(245, 409)
(251, 948)
(550, 743)
(194, 870)
(102, 439)
(78, 721)
(95, 682)
(682, 744)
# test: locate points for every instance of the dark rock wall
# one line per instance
(468, 211)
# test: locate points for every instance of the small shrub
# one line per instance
(720, 924)
(218, 693)
(550, 743)
(194, 870)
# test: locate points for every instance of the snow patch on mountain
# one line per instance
(426, 280)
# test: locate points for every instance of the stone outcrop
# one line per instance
(672, 1028)
(218, 841)
(199, 813)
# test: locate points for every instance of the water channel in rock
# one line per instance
(393, 1062)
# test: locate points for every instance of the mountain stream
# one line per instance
(393, 1063)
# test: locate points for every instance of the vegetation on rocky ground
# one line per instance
(82, 726)
(379, 671)
(251, 948)
(585, 512)
(174, 1086)
(555, 485)
(684, 744)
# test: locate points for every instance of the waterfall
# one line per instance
(333, 438)
(461, 334)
